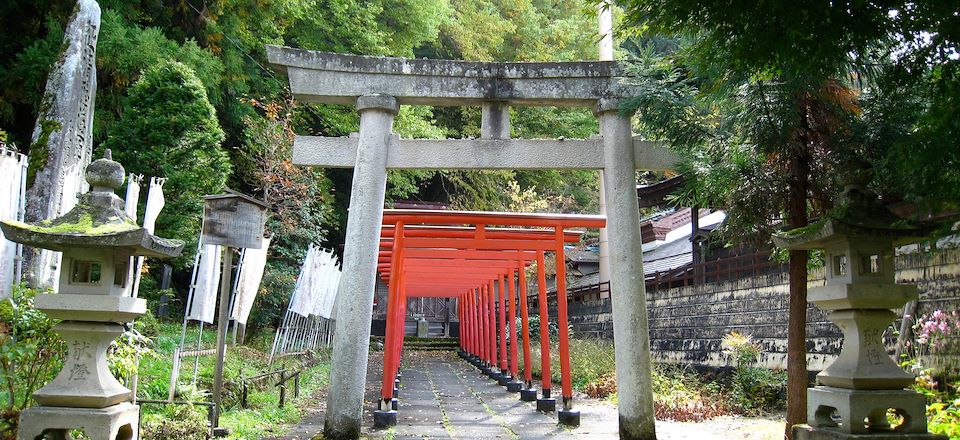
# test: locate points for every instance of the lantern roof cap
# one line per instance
(98, 220)
(230, 194)
(859, 214)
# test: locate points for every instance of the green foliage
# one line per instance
(812, 38)
(753, 388)
(170, 130)
(525, 30)
(187, 422)
(30, 354)
(944, 418)
(741, 348)
(591, 360)
(259, 420)
(682, 395)
(758, 389)
(126, 351)
(534, 322)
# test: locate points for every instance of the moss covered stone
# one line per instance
(40, 150)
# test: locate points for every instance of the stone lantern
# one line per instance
(853, 395)
(97, 239)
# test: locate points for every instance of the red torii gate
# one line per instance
(455, 254)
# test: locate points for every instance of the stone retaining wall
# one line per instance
(687, 324)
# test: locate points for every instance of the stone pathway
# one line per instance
(444, 397)
(441, 396)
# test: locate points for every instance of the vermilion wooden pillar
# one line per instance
(565, 381)
(502, 327)
(386, 390)
(546, 402)
(513, 335)
(525, 329)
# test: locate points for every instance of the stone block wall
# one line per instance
(687, 324)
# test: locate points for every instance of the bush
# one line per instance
(944, 419)
(183, 422)
(681, 395)
(30, 354)
(170, 130)
(753, 388)
(757, 389)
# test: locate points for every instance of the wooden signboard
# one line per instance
(233, 220)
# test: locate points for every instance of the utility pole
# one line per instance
(605, 18)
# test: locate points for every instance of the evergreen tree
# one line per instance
(169, 129)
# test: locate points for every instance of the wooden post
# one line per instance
(283, 387)
(566, 384)
(502, 327)
(544, 326)
(512, 325)
(227, 274)
(525, 327)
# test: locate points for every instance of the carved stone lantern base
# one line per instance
(807, 432)
(85, 380)
(118, 422)
(864, 412)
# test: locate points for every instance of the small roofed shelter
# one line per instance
(855, 393)
(97, 239)
(477, 258)
(233, 219)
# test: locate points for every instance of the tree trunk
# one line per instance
(797, 322)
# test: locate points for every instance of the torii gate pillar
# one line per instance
(354, 298)
(627, 287)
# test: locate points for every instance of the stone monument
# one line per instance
(61, 145)
(97, 239)
(855, 394)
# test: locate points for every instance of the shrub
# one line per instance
(753, 388)
(937, 342)
(944, 419)
(30, 354)
(741, 347)
(681, 395)
(170, 129)
(182, 422)
(553, 328)
(601, 388)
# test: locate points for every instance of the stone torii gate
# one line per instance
(377, 86)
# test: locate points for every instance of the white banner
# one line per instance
(155, 203)
(12, 170)
(327, 290)
(206, 285)
(132, 197)
(252, 265)
(316, 289)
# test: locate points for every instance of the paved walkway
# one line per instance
(441, 396)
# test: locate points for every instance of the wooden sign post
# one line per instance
(231, 220)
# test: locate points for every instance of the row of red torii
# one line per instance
(432, 254)
(377, 86)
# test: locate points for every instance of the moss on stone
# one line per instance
(804, 229)
(40, 150)
(83, 225)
